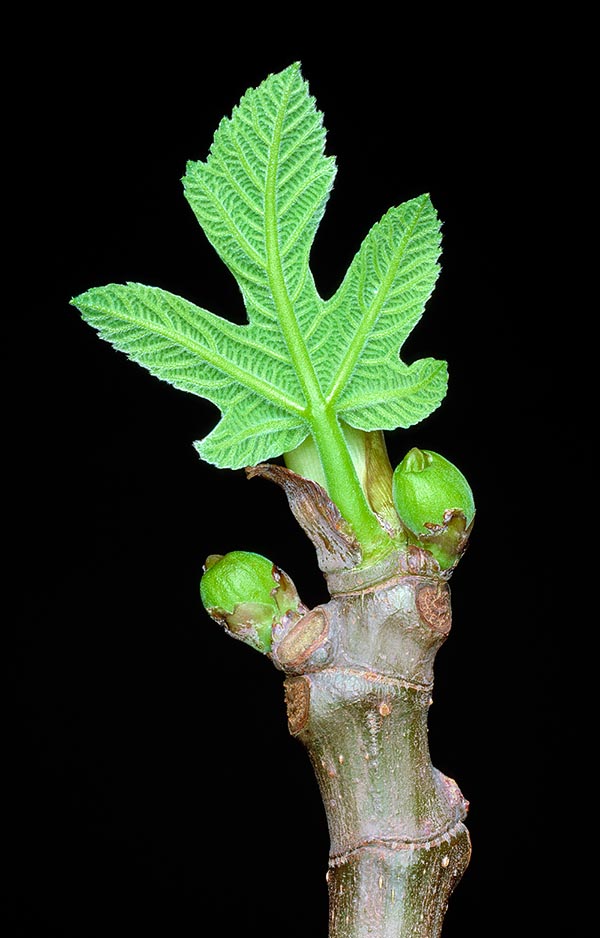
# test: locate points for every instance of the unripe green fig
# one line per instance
(425, 485)
(247, 594)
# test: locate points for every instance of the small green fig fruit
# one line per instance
(247, 594)
(425, 485)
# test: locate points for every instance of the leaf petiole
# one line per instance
(341, 480)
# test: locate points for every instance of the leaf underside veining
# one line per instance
(259, 197)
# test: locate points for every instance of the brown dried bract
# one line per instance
(336, 546)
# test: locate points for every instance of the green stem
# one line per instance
(343, 484)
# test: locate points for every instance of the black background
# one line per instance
(154, 777)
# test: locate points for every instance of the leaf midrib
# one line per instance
(299, 355)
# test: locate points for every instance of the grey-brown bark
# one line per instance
(359, 679)
(359, 705)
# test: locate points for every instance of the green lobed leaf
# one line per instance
(259, 197)
(378, 304)
(196, 351)
(261, 194)
(397, 396)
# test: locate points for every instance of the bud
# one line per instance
(248, 595)
(435, 502)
